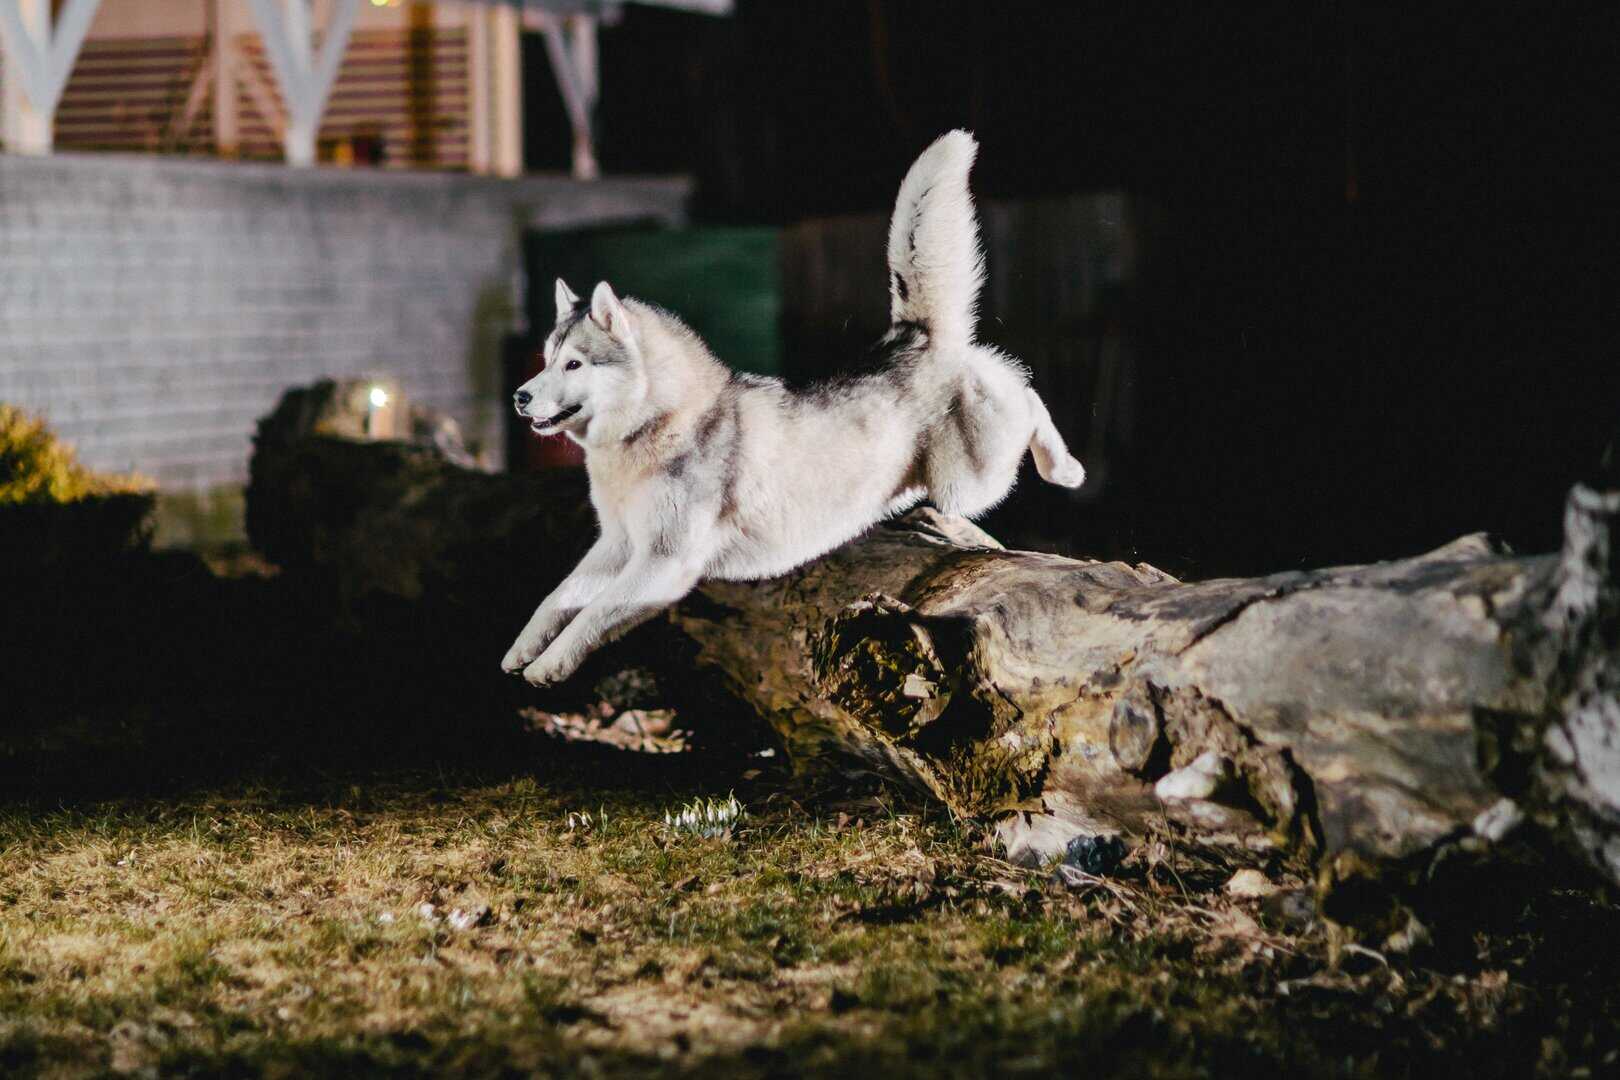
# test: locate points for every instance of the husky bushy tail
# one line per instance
(936, 269)
(935, 266)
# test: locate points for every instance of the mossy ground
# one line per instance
(236, 842)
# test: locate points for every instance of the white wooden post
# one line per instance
(479, 119)
(39, 59)
(582, 42)
(506, 92)
(26, 130)
(571, 47)
(227, 101)
(304, 76)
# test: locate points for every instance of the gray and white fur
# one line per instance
(699, 472)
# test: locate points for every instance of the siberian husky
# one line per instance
(698, 472)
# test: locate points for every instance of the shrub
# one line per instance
(54, 512)
(37, 467)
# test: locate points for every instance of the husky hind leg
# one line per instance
(1052, 458)
(973, 455)
(973, 451)
(971, 494)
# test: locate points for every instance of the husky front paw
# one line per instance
(550, 670)
(518, 657)
(530, 644)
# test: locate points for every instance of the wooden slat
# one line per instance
(125, 92)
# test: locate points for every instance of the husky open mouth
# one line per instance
(553, 421)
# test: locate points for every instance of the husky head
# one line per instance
(592, 366)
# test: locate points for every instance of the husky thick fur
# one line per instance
(700, 472)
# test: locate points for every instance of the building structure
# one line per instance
(156, 299)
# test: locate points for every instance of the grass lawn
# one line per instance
(550, 922)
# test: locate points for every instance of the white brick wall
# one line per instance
(154, 309)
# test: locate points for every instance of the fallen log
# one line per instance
(1367, 720)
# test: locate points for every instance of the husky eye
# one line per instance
(571, 365)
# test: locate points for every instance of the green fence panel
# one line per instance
(724, 282)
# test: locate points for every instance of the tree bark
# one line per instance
(1369, 720)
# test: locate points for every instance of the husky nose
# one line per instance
(522, 398)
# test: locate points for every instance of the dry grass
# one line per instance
(433, 925)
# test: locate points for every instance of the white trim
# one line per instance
(609, 8)
(703, 7)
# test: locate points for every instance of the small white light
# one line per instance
(379, 397)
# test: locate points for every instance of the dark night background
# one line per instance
(1375, 318)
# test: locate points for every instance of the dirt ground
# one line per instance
(233, 843)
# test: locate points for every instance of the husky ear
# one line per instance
(607, 312)
(566, 299)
